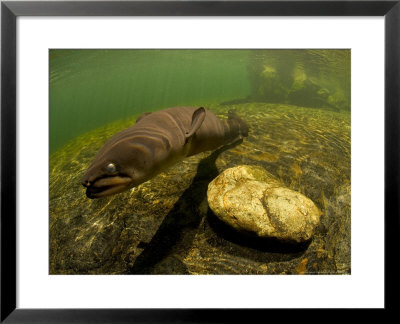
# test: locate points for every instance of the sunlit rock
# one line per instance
(250, 199)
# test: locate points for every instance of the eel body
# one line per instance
(155, 142)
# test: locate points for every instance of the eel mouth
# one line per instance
(107, 186)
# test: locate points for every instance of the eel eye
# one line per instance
(111, 168)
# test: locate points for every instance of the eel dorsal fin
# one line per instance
(197, 119)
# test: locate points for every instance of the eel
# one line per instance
(155, 142)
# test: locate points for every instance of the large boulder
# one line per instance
(309, 78)
(251, 200)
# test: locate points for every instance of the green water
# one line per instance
(90, 88)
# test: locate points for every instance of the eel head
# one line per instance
(109, 174)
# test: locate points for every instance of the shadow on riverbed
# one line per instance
(178, 229)
(254, 242)
(183, 218)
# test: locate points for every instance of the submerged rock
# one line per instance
(281, 76)
(250, 199)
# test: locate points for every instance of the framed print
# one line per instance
(163, 159)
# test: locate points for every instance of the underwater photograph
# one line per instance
(200, 161)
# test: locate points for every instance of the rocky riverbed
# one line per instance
(165, 225)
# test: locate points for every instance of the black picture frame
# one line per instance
(10, 10)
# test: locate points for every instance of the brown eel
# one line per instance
(155, 142)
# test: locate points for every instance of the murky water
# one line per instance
(297, 104)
